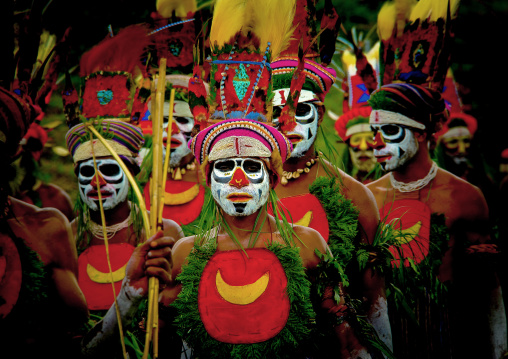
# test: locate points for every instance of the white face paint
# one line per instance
(179, 140)
(114, 185)
(400, 145)
(240, 185)
(182, 117)
(304, 134)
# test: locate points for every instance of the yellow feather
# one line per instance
(271, 21)
(434, 9)
(394, 14)
(228, 20)
(348, 59)
(181, 8)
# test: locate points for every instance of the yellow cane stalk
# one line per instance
(152, 329)
(106, 244)
(168, 148)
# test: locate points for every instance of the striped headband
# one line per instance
(415, 106)
(125, 138)
(321, 78)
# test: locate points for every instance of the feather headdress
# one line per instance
(109, 70)
(244, 36)
(303, 66)
(415, 41)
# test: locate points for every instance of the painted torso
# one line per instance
(183, 199)
(304, 208)
(244, 303)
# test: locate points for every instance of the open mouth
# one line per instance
(294, 138)
(383, 158)
(239, 197)
(364, 158)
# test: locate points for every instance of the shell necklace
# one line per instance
(415, 185)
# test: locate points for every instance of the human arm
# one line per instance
(150, 259)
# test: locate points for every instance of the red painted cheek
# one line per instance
(239, 179)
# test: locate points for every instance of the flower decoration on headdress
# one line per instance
(301, 73)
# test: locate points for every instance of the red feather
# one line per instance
(122, 52)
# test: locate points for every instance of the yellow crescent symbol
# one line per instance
(101, 277)
(173, 199)
(305, 220)
(405, 236)
(242, 294)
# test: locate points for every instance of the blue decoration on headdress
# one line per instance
(241, 82)
(170, 25)
(104, 96)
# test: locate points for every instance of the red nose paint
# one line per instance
(102, 182)
(174, 128)
(378, 141)
(239, 179)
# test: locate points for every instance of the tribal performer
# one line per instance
(360, 79)
(107, 208)
(316, 193)
(443, 262)
(248, 285)
(457, 151)
(177, 27)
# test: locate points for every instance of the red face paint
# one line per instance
(239, 179)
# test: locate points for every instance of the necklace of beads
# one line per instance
(97, 229)
(415, 185)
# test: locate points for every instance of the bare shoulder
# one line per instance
(353, 189)
(309, 240)
(179, 253)
(172, 229)
(467, 199)
(46, 230)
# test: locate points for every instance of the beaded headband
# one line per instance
(272, 140)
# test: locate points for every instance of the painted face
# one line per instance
(305, 132)
(113, 183)
(456, 143)
(240, 185)
(394, 145)
(361, 151)
(180, 132)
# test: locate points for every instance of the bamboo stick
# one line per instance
(156, 188)
(106, 244)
